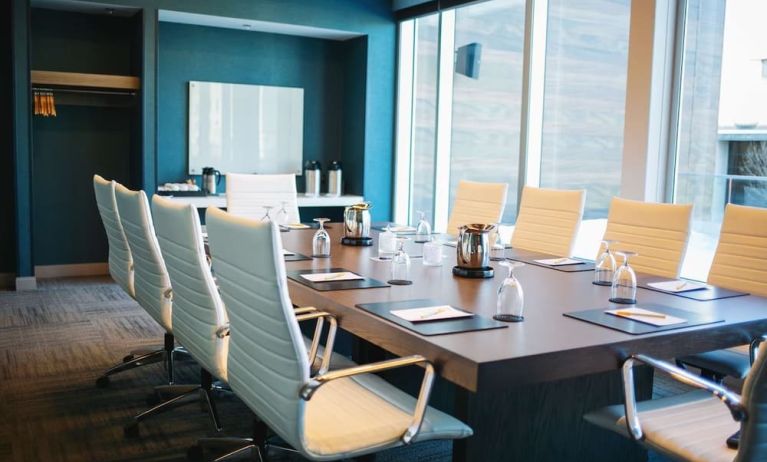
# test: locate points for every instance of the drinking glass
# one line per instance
(387, 243)
(400, 265)
(423, 230)
(511, 298)
(432, 253)
(604, 269)
(282, 214)
(266, 216)
(624, 287)
(321, 240)
(497, 249)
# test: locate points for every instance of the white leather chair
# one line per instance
(151, 281)
(121, 270)
(740, 263)
(199, 319)
(477, 203)
(548, 220)
(246, 195)
(657, 232)
(696, 425)
(334, 415)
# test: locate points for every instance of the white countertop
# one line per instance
(202, 202)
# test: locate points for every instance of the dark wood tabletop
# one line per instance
(547, 346)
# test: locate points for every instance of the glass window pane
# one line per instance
(424, 115)
(487, 84)
(584, 99)
(721, 150)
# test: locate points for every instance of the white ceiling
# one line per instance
(253, 25)
(85, 7)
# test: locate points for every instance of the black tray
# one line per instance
(366, 283)
(702, 295)
(437, 327)
(630, 326)
(530, 257)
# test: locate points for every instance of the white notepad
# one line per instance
(401, 229)
(332, 277)
(430, 313)
(559, 261)
(677, 286)
(287, 252)
(451, 243)
(638, 312)
(297, 226)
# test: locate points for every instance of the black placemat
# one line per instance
(437, 327)
(530, 257)
(703, 295)
(366, 283)
(629, 326)
(297, 257)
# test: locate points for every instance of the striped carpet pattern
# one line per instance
(56, 341)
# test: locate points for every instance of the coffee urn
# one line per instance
(334, 179)
(312, 177)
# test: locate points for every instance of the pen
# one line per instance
(335, 276)
(433, 313)
(647, 315)
(681, 286)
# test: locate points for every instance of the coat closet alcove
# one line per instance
(88, 61)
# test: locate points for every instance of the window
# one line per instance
(584, 99)
(721, 142)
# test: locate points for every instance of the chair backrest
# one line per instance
(740, 262)
(657, 232)
(150, 276)
(246, 195)
(477, 203)
(120, 259)
(198, 311)
(753, 431)
(548, 220)
(265, 345)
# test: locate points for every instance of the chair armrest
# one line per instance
(753, 348)
(303, 309)
(223, 331)
(320, 316)
(423, 396)
(730, 399)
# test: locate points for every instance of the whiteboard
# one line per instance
(245, 128)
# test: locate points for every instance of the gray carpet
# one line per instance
(56, 341)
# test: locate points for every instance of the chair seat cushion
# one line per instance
(733, 362)
(692, 426)
(360, 414)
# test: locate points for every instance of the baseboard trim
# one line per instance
(79, 269)
(26, 283)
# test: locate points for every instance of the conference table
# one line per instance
(523, 388)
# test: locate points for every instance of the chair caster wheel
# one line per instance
(128, 358)
(131, 430)
(195, 453)
(103, 381)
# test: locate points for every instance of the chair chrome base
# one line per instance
(258, 446)
(142, 357)
(205, 390)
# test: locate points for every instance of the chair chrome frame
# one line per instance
(730, 399)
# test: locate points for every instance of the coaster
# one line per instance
(399, 282)
(508, 318)
(604, 284)
(624, 301)
(475, 273)
(357, 241)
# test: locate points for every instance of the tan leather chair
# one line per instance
(548, 220)
(657, 232)
(477, 203)
(740, 263)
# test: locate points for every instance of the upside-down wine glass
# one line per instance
(604, 269)
(511, 298)
(423, 229)
(400, 265)
(321, 240)
(282, 214)
(624, 287)
(266, 216)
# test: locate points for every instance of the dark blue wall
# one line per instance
(224, 55)
(7, 215)
(91, 134)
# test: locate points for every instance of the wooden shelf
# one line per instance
(74, 79)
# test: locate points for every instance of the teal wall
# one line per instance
(232, 56)
(7, 218)
(360, 129)
(91, 134)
